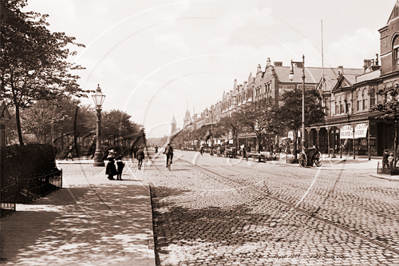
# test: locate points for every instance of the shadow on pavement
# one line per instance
(105, 225)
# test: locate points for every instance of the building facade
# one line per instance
(349, 95)
(352, 127)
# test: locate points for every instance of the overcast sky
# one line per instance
(151, 58)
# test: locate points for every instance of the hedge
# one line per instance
(21, 162)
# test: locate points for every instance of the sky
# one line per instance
(154, 59)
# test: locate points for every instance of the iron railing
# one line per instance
(29, 189)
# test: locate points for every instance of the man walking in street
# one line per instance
(140, 157)
(169, 154)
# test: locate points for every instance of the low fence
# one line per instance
(8, 198)
(35, 187)
(29, 189)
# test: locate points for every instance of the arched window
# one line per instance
(336, 108)
(358, 101)
(395, 53)
(363, 101)
(372, 97)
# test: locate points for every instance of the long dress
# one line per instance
(111, 168)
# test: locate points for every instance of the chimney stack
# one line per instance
(278, 64)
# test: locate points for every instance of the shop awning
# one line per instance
(346, 132)
(361, 131)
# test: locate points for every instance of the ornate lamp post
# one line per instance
(98, 99)
(291, 77)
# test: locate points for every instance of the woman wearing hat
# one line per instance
(111, 169)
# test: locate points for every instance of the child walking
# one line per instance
(120, 165)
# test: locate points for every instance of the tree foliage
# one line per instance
(34, 62)
(390, 106)
(290, 111)
(116, 124)
(48, 119)
(259, 118)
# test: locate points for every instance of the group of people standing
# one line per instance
(113, 170)
(116, 170)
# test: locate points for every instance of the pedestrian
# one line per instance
(201, 149)
(120, 165)
(111, 169)
(385, 159)
(244, 153)
(140, 157)
(156, 148)
(390, 160)
(169, 154)
(69, 154)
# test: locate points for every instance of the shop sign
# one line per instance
(346, 132)
(231, 141)
(360, 131)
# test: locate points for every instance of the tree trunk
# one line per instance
(17, 116)
(257, 143)
(295, 143)
(18, 120)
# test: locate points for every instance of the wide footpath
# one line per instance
(90, 221)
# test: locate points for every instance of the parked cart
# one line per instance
(310, 156)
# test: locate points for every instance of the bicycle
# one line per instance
(169, 163)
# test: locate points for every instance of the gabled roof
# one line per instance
(394, 13)
(344, 81)
(314, 74)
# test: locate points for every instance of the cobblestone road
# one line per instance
(214, 211)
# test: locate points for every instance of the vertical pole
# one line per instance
(353, 142)
(328, 141)
(394, 142)
(303, 102)
(98, 160)
(340, 145)
(368, 141)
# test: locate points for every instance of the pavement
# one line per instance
(89, 221)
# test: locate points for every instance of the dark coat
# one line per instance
(120, 165)
(168, 150)
(111, 169)
(140, 154)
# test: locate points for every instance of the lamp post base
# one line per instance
(98, 159)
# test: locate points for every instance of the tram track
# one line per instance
(292, 185)
(310, 215)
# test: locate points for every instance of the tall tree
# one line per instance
(33, 60)
(389, 110)
(260, 118)
(116, 123)
(290, 111)
(231, 124)
(51, 118)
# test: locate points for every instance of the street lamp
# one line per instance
(98, 99)
(291, 77)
